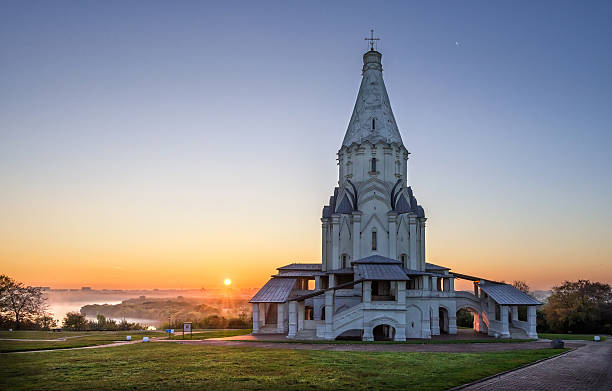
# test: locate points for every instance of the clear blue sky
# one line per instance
(138, 131)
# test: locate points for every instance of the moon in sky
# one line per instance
(457, 43)
(227, 282)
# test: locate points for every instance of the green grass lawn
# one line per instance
(210, 334)
(75, 339)
(583, 337)
(161, 366)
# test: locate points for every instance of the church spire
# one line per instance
(372, 118)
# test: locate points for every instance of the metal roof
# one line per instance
(276, 290)
(505, 294)
(431, 266)
(377, 259)
(346, 270)
(412, 272)
(298, 273)
(301, 266)
(381, 272)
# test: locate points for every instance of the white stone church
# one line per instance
(374, 281)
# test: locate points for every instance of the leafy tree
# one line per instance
(46, 322)
(75, 321)
(580, 306)
(21, 303)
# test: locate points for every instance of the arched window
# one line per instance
(373, 164)
(374, 244)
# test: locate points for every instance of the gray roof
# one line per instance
(298, 273)
(301, 266)
(431, 266)
(276, 290)
(377, 259)
(412, 272)
(505, 294)
(380, 272)
(346, 270)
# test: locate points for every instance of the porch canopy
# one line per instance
(276, 290)
(505, 294)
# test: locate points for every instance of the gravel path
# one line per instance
(586, 368)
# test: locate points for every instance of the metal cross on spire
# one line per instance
(372, 39)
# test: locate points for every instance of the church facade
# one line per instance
(374, 281)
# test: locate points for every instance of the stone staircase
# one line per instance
(516, 333)
(305, 334)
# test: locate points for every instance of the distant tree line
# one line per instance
(243, 321)
(75, 321)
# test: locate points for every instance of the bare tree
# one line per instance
(521, 286)
(20, 302)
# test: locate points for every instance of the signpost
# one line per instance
(170, 332)
(187, 328)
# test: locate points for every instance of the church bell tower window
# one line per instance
(374, 241)
(373, 164)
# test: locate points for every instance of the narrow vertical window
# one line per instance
(373, 164)
(373, 123)
(344, 261)
(373, 240)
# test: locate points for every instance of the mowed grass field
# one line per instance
(583, 337)
(170, 366)
(19, 341)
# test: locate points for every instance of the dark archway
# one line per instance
(443, 319)
(383, 332)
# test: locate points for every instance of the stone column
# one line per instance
(262, 314)
(332, 281)
(514, 313)
(356, 235)
(451, 284)
(317, 282)
(446, 284)
(400, 333)
(329, 314)
(423, 259)
(367, 334)
(452, 324)
(532, 321)
(401, 295)
(324, 245)
(413, 243)
(434, 283)
(293, 321)
(367, 291)
(476, 290)
(280, 318)
(392, 235)
(505, 329)
(255, 318)
(435, 321)
(426, 283)
(301, 313)
(335, 261)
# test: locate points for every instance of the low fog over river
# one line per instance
(62, 301)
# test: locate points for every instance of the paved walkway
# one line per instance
(586, 368)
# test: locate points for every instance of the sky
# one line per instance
(154, 144)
